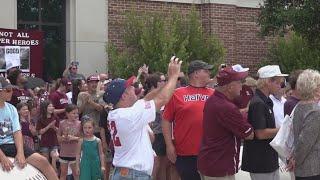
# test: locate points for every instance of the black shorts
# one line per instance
(10, 150)
(159, 145)
(66, 160)
(187, 167)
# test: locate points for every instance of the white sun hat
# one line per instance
(270, 71)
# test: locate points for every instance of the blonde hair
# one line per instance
(262, 82)
(307, 84)
(250, 81)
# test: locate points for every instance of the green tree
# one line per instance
(301, 16)
(293, 53)
(152, 38)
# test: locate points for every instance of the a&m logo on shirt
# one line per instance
(248, 93)
(24, 99)
(63, 101)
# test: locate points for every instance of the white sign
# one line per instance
(8, 58)
(12, 56)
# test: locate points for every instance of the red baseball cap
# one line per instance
(231, 73)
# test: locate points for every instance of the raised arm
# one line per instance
(163, 96)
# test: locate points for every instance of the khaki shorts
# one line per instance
(218, 178)
(266, 176)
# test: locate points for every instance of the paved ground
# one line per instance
(245, 176)
(242, 175)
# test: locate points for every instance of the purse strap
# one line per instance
(292, 112)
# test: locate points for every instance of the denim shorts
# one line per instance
(48, 149)
(129, 174)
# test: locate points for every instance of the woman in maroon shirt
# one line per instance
(47, 127)
(59, 98)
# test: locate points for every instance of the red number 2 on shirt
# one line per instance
(116, 140)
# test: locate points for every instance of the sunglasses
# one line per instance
(6, 90)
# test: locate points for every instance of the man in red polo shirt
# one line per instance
(185, 110)
(223, 127)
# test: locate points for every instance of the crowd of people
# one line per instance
(161, 125)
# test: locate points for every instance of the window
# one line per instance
(49, 17)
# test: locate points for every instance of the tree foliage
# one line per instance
(301, 16)
(152, 38)
(293, 53)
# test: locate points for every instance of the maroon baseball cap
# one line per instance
(231, 73)
(93, 78)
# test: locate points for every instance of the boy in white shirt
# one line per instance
(129, 120)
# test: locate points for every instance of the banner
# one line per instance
(23, 48)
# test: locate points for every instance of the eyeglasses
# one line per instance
(6, 90)
(163, 80)
(74, 68)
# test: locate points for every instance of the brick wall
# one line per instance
(234, 26)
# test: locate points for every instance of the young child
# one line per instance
(68, 136)
(27, 127)
(34, 110)
(47, 127)
(11, 140)
(92, 159)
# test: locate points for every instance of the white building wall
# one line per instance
(87, 34)
(8, 14)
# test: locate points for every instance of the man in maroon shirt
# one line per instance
(223, 127)
(20, 92)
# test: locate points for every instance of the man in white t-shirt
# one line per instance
(278, 105)
(128, 122)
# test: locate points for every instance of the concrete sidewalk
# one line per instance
(242, 175)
